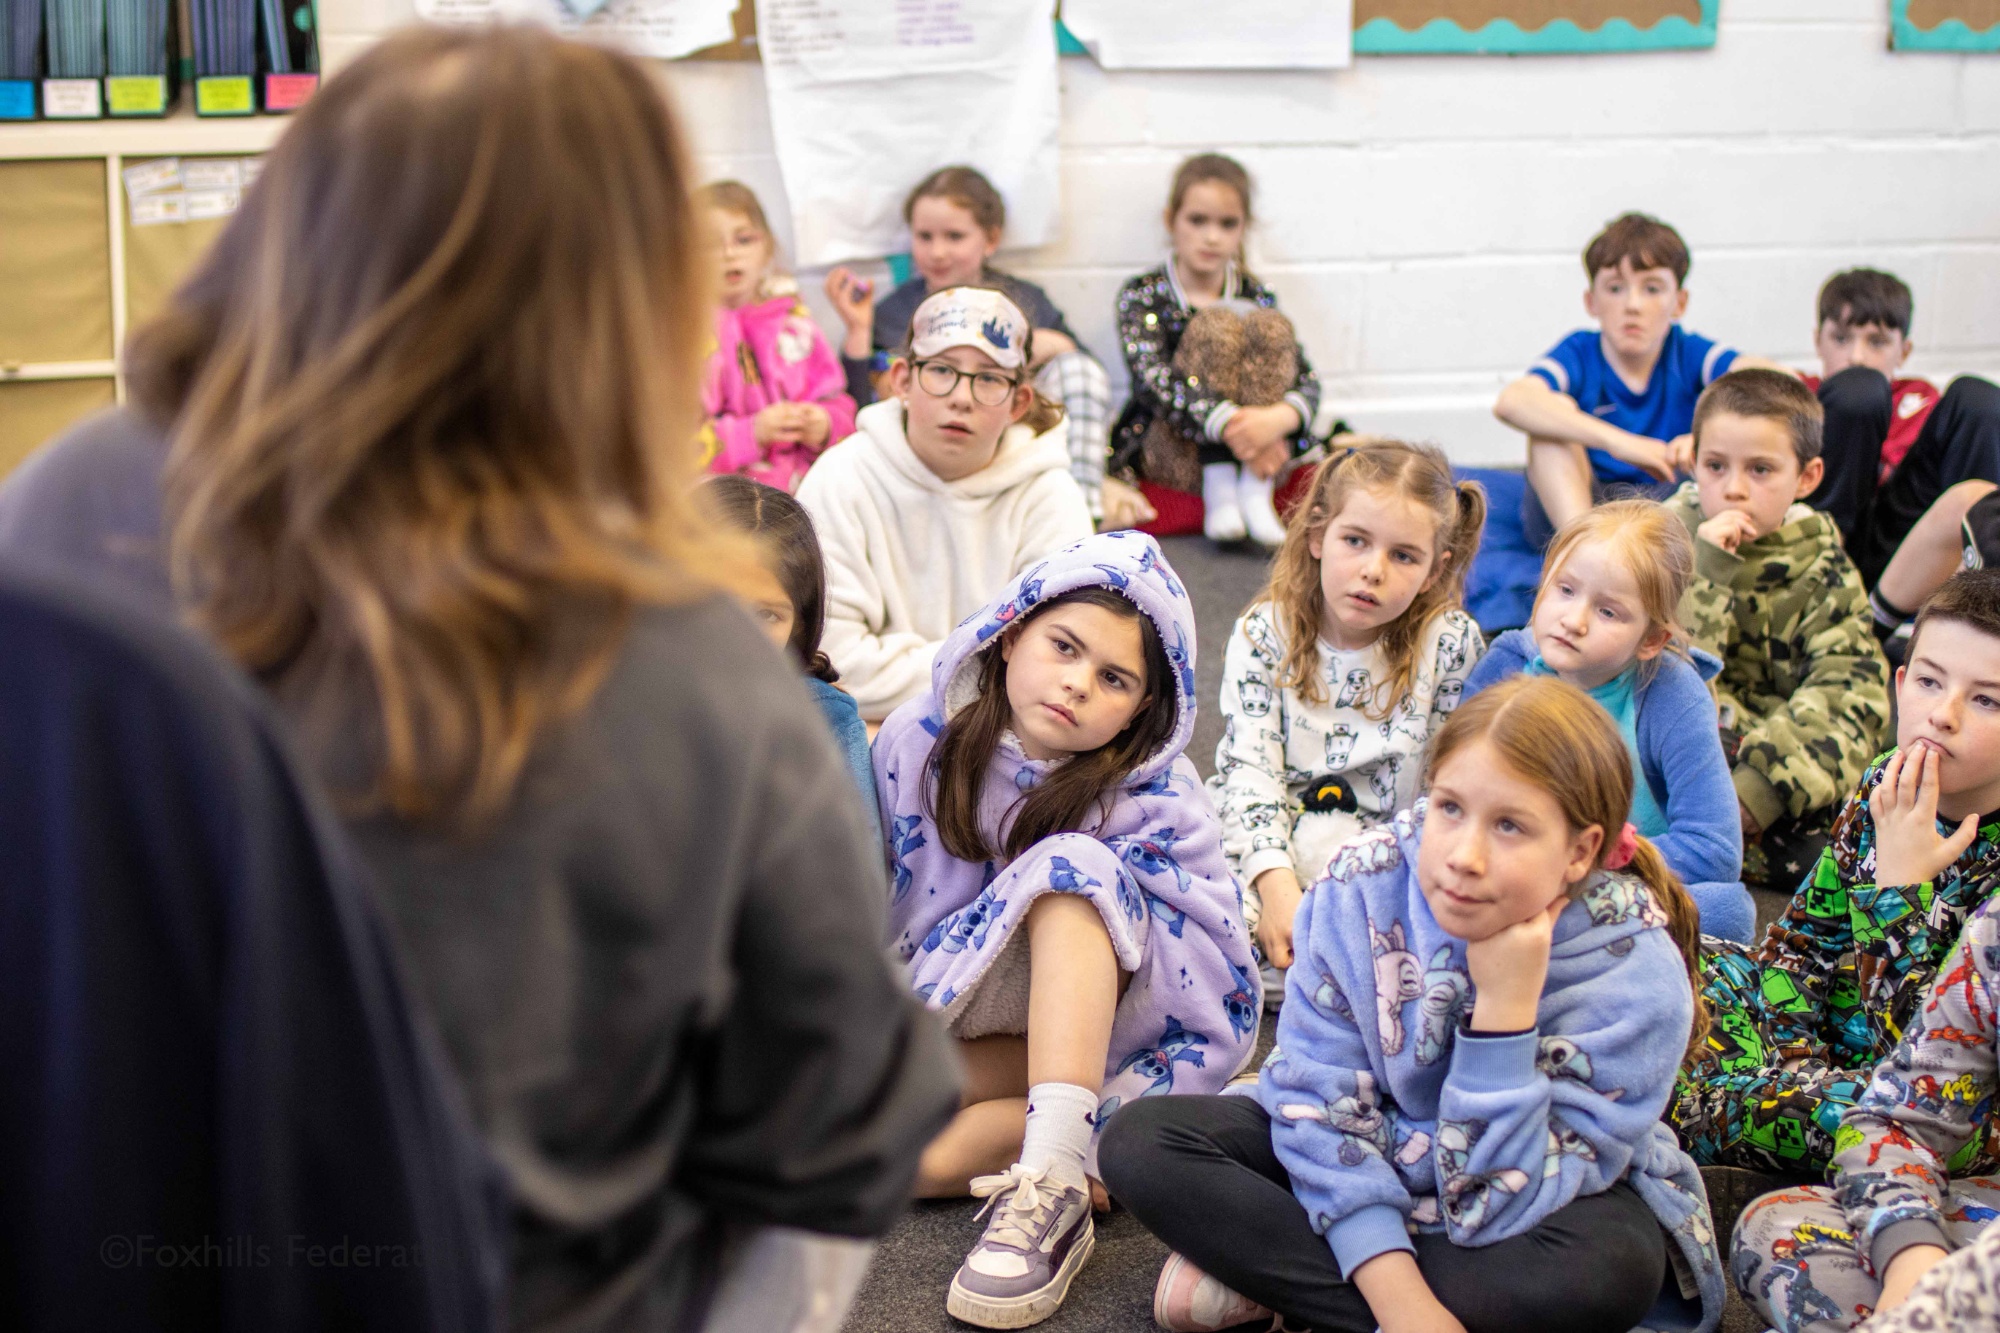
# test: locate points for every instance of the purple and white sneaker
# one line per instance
(1038, 1239)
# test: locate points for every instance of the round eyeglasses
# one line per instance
(989, 387)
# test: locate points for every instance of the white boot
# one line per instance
(1222, 512)
(1259, 514)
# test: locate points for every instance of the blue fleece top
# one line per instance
(1680, 752)
(1390, 1118)
(843, 716)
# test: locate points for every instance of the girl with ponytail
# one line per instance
(1460, 1126)
(1341, 671)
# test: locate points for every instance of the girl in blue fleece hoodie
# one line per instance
(1605, 621)
(1459, 1129)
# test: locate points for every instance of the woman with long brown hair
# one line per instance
(430, 406)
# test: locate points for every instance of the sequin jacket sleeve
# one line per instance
(1150, 324)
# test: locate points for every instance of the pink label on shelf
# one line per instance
(288, 92)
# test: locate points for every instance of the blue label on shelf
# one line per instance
(17, 99)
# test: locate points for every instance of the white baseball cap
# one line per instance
(975, 317)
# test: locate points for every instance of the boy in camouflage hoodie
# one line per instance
(1803, 691)
(1800, 1021)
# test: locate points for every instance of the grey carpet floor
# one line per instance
(904, 1291)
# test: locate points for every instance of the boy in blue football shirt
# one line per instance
(1608, 410)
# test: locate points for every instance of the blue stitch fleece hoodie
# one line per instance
(1390, 1119)
(1153, 866)
(1680, 754)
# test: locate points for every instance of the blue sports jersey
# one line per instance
(1688, 363)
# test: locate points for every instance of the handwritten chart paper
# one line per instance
(869, 96)
(1200, 34)
(666, 29)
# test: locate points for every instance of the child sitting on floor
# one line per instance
(1839, 977)
(1605, 620)
(1207, 217)
(1895, 447)
(787, 598)
(1610, 408)
(773, 392)
(947, 491)
(956, 219)
(1802, 695)
(1341, 671)
(1914, 1168)
(1459, 1127)
(1059, 878)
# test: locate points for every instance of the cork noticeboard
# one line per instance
(1944, 25)
(1410, 27)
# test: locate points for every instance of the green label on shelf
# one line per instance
(137, 94)
(224, 95)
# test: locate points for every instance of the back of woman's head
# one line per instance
(784, 531)
(1559, 739)
(432, 398)
(1419, 473)
(1653, 545)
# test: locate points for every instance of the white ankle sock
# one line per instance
(1260, 515)
(1059, 1129)
(1222, 512)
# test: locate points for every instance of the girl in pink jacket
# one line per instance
(775, 393)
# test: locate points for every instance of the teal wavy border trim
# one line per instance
(1379, 36)
(1950, 35)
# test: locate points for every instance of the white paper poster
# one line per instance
(869, 96)
(1200, 34)
(667, 29)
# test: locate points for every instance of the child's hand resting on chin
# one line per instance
(1508, 969)
(1904, 804)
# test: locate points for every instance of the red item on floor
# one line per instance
(1179, 511)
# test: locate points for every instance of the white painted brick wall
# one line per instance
(1421, 217)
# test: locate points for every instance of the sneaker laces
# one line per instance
(1032, 1196)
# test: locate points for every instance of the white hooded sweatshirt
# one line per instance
(909, 555)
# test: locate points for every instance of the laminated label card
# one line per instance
(72, 99)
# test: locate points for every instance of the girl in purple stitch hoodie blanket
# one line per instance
(1061, 898)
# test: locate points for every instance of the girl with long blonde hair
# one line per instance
(1352, 656)
(1606, 621)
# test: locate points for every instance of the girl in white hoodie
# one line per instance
(948, 489)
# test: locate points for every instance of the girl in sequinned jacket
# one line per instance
(1208, 213)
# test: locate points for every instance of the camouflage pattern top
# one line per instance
(1846, 965)
(1803, 680)
(1928, 1111)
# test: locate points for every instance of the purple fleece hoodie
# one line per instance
(1154, 868)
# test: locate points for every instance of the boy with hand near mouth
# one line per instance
(1842, 975)
(1914, 1163)
(1611, 407)
(1802, 695)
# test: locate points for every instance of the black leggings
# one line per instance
(1200, 1173)
(1960, 441)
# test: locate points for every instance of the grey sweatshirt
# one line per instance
(659, 975)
